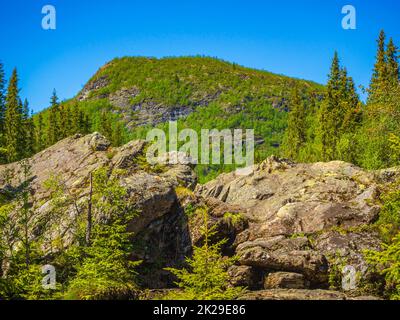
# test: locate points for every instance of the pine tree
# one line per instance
(28, 131)
(105, 125)
(379, 76)
(2, 104)
(63, 123)
(117, 137)
(39, 133)
(106, 271)
(13, 120)
(69, 122)
(206, 277)
(86, 123)
(382, 111)
(53, 126)
(350, 105)
(393, 72)
(339, 116)
(330, 112)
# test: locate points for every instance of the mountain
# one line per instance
(150, 91)
(198, 92)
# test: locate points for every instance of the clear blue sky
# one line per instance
(291, 37)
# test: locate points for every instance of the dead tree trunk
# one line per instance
(89, 214)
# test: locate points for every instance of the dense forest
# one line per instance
(296, 119)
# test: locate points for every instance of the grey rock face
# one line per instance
(70, 161)
(302, 219)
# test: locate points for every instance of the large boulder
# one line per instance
(308, 219)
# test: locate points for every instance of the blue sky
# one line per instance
(296, 38)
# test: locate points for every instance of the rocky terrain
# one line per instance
(291, 225)
(304, 221)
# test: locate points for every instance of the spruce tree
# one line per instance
(2, 104)
(13, 120)
(105, 125)
(295, 136)
(39, 133)
(350, 105)
(28, 131)
(392, 63)
(206, 277)
(330, 112)
(53, 126)
(382, 111)
(379, 76)
(69, 122)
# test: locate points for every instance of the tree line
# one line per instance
(23, 134)
(341, 127)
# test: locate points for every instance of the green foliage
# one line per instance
(296, 132)
(387, 262)
(234, 219)
(336, 265)
(13, 121)
(21, 255)
(377, 136)
(338, 115)
(106, 271)
(341, 128)
(206, 277)
(395, 148)
(187, 81)
(2, 107)
(389, 218)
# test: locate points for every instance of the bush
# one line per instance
(206, 277)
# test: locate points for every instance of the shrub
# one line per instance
(206, 277)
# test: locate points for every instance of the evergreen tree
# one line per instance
(382, 116)
(13, 120)
(106, 125)
(53, 126)
(28, 131)
(2, 103)
(118, 134)
(379, 76)
(106, 271)
(393, 73)
(86, 123)
(39, 133)
(63, 123)
(206, 277)
(330, 112)
(69, 122)
(350, 105)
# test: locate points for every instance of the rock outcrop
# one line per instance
(304, 222)
(160, 228)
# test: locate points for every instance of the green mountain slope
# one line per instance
(199, 92)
